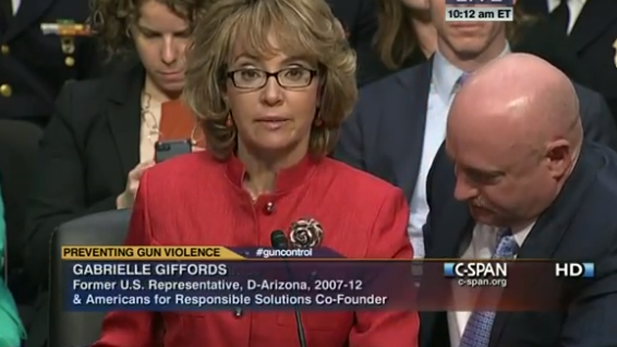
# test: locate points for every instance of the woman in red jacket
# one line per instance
(271, 82)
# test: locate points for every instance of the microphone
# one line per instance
(279, 240)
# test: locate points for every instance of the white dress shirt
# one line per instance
(443, 87)
(483, 244)
(15, 4)
(441, 93)
(574, 6)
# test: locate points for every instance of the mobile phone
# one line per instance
(168, 149)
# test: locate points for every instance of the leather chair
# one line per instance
(69, 329)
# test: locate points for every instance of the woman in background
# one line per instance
(11, 330)
(102, 136)
(405, 37)
(271, 82)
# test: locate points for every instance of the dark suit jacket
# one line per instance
(385, 133)
(35, 65)
(359, 18)
(593, 39)
(88, 148)
(575, 227)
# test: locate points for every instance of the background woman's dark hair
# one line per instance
(112, 19)
(396, 40)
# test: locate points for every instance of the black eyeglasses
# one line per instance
(291, 78)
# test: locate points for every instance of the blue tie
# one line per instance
(459, 82)
(478, 330)
(463, 78)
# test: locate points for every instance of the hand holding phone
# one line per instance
(126, 199)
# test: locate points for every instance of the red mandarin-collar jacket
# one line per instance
(197, 200)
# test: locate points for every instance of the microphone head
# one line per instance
(279, 240)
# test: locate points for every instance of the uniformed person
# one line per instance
(36, 59)
(43, 44)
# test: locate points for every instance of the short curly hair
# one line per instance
(304, 28)
(112, 19)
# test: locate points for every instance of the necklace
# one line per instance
(149, 119)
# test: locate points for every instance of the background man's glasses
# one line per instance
(290, 78)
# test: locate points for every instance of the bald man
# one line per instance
(526, 184)
(399, 122)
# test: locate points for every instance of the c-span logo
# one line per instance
(479, 269)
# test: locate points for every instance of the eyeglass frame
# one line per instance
(313, 73)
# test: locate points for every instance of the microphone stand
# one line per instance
(299, 325)
(280, 241)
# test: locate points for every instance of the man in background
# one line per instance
(526, 185)
(35, 60)
(399, 122)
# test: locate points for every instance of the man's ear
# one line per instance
(559, 155)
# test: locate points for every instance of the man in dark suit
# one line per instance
(591, 26)
(35, 61)
(399, 122)
(526, 182)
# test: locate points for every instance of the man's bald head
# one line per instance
(514, 132)
(536, 100)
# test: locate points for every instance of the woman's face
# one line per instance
(419, 5)
(161, 38)
(272, 113)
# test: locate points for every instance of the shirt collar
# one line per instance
(521, 233)
(552, 4)
(445, 74)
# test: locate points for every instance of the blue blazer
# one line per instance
(11, 329)
(385, 133)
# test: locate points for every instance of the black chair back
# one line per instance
(68, 329)
(19, 141)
